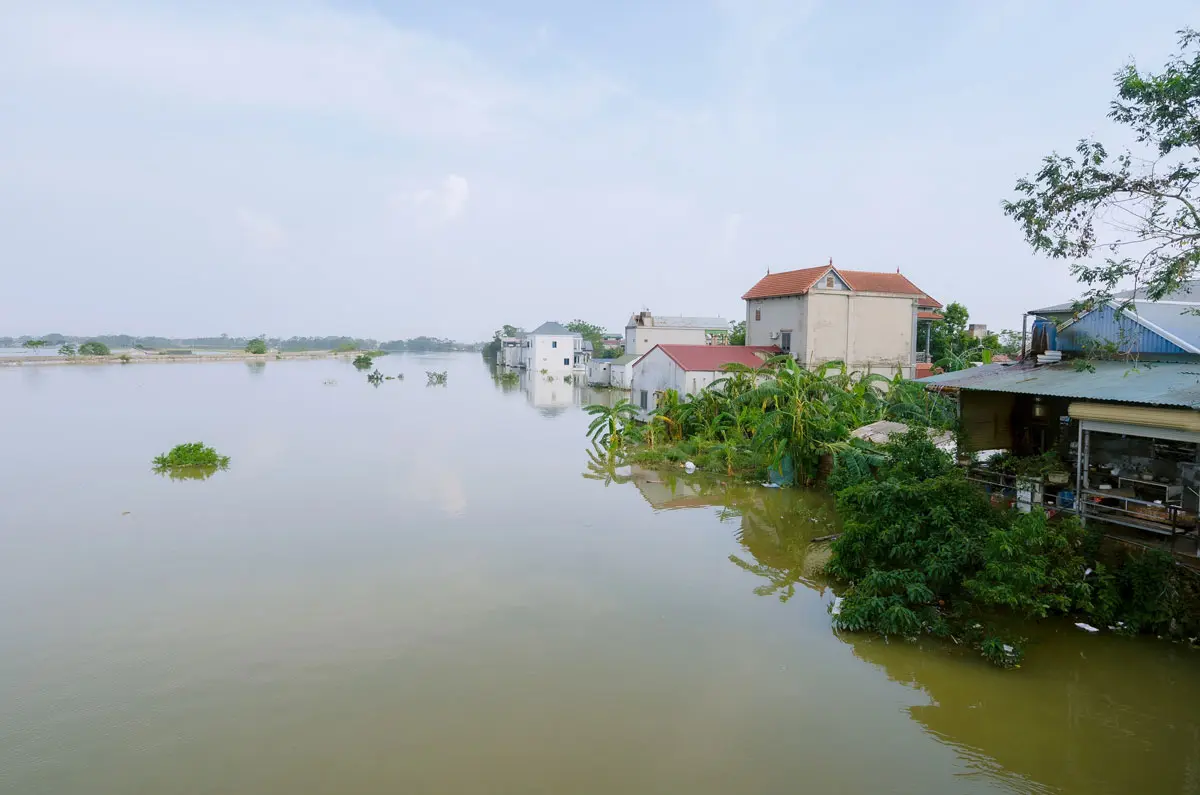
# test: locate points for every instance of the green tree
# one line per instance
(93, 348)
(1140, 212)
(737, 333)
(589, 331)
(66, 349)
(950, 333)
(608, 427)
(256, 346)
(33, 344)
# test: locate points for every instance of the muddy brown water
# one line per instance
(426, 589)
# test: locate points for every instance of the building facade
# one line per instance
(644, 331)
(866, 319)
(688, 369)
(551, 347)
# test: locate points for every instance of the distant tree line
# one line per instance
(226, 342)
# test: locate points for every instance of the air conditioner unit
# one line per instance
(774, 335)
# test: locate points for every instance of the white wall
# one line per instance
(598, 371)
(619, 375)
(657, 372)
(543, 355)
(639, 339)
(778, 314)
(868, 331)
(654, 372)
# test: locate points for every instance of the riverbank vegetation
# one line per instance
(779, 419)
(923, 551)
(257, 346)
(94, 348)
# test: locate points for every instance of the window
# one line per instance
(643, 399)
(566, 361)
(693, 385)
(829, 282)
(553, 343)
(785, 341)
(758, 314)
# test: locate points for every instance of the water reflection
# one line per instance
(552, 394)
(188, 473)
(1085, 714)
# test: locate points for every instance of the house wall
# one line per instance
(654, 372)
(778, 314)
(639, 339)
(1105, 325)
(619, 376)
(868, 331)
(598, 371)
(543, 355)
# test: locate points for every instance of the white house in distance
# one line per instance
(644, 331)
(866, 319)
(688, 369)
(510, 351)
(551, 347)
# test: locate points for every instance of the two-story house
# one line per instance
(551, 347)
(866, 319)
(645, 330)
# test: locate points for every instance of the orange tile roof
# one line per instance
(707, 358)
(799, 282)
(777, 285)
(871, 282)
(923, 315)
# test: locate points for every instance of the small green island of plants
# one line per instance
(193, 460)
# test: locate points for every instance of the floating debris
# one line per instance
(836, 607)
(689, 467)
(1086, 627)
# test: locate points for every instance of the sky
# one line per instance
(386, 168)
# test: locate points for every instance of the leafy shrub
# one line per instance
(363, 361)
(256, 346)
(66, 349)
(93, 348)
(925, 552)
(193, 454)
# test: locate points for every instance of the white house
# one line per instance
(867, 320)
(621, 370)
(598, 372)
(688, 369)
(509, 354)
(551, 347)
(644, 331)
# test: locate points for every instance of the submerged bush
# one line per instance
(925, 552)
(363, 361)
(192, 454)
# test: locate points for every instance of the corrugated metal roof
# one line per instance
(1189, 293)
(1154, 384)
(627, 358)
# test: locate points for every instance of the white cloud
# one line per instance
(260, 231)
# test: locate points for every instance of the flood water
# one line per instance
(427, 589)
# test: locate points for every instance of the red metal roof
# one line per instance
(707, 358)
(778, 285)
(923, 315)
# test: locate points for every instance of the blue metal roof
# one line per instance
(1154, 384)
